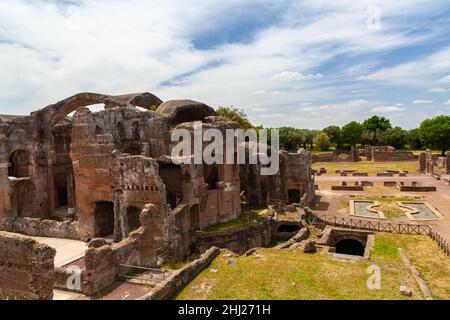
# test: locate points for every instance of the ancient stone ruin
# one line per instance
(68, 172)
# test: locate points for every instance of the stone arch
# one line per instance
(20, 164)
(350, 246)
(23, 198)
(61, 109)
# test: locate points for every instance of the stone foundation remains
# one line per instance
(26, 268)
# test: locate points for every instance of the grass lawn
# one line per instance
(366, 166)
(286, 274)
(247, 217)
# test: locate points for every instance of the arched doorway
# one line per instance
(133, 215)
(20, 164)
(350, 246)
(23, 199)
(211, 176)
(294, 196)
(104, 219)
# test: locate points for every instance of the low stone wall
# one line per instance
(26, 268)
(41, 227)
(393, 156)
(416, 188)
(323, 157)
(347, 188)
(360, 174)
(239, 241)
(385, 174)
(180, 278)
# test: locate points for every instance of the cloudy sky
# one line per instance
(305, 64)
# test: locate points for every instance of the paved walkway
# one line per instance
(67, 250)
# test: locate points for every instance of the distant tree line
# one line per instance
(432, 133)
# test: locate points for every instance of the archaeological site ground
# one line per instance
(94, 206)
(224, 159)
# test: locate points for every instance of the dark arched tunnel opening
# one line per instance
(350, 246)
(288, 228)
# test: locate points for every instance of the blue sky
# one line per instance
(306, 64)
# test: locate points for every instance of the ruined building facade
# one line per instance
(94, 172)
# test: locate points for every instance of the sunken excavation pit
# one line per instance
(107, 179)
(343, 242)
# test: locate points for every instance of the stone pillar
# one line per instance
(70, 192)
(5, 186)
(354, 154)
(429, 163)
(422, 162)
(120, 217)
(447, 163)
(50, 184)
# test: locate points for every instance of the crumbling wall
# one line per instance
(238, 241)
(387, 153)
(393, 156)
(337, 155)
(427, 162)
(180, 278)
(104, 262)
(293, 183)
(41, 227)
(26, 268)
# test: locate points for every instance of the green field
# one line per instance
(287, 274)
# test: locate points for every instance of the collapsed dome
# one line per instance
(179, 111)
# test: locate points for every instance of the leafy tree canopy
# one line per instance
(334, 134)
(236, 115)
(291, 138)
(376, 123)
(435, 133)
(351, 133)
(322, 141)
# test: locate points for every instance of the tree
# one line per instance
(413, 138)
(376, 126)
(375, 123)
(351, 133)
(236, 115)
(396, 137)
(291, 138)
(308, 137)
(334, 134)
(322, 141)
(435, 133)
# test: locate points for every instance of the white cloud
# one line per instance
(292, 76)
(416, 73)
(420, 101)
(117, 47)
(447, 103)
(445, 79)
(438, 90)
(387, 109)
